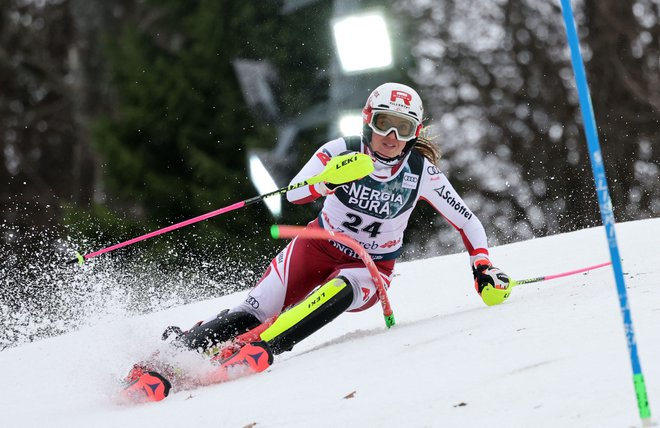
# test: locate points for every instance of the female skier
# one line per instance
(311, 282)
(374, 211)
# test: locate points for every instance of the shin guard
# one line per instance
(308, 316)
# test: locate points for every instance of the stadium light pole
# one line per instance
(364, 53)
(605, 204)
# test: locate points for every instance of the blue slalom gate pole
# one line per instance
(605, 204)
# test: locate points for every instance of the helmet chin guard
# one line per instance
(395, 98)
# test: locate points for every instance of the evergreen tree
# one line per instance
(176, 144)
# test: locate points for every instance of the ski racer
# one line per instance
(311, 282)
(374, 211)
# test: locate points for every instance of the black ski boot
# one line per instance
(204, 336)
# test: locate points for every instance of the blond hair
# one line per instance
(427, 147)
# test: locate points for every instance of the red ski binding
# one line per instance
(146, 386)
(250, 358)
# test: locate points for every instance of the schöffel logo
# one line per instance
(453, 202)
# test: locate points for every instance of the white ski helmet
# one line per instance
(397, 100)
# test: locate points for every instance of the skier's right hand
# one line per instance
(325, 188)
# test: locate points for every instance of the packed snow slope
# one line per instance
(554, 355)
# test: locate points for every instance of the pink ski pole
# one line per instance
(341, 169)
(81, 258)
(559, 275)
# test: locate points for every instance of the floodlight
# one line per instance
(264, 183)
(350, 123)
(363, 42)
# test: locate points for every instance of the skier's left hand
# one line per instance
(491, 283)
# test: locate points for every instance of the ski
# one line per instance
(149, 382)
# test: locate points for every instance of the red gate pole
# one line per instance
(282, 231)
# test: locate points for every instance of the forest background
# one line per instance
(118, 117)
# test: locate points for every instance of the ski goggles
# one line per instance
(384, 122)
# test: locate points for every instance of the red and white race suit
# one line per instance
(374, 211)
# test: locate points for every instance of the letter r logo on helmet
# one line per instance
(406, 97)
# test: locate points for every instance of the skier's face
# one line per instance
(387, 146)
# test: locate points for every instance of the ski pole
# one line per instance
(339, 170)
(307, 233)
(559, 275)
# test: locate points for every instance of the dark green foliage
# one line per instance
(129, 112)
(175, 146)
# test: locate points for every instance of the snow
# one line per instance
(554, 355)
